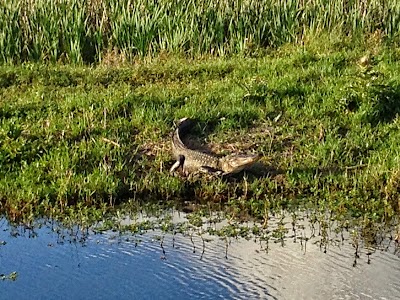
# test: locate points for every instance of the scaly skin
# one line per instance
(194, 160)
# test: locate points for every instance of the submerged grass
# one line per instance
(325, 122)
(95, 30)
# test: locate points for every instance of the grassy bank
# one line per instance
(101, 30)
(325, 122)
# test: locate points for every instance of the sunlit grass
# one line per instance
(326, 126)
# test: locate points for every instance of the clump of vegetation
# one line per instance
(107, 30)
(12, 276)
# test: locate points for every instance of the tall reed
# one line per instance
(83, 31)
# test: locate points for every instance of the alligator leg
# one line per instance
(179, 163)
(210, 170)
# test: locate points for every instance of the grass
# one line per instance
(93, 31)
(326, 123)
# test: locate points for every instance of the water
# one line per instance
(57, 263)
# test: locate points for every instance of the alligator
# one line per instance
(194, 160)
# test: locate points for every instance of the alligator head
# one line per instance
(235, 163)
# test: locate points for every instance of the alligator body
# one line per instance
(193, 160)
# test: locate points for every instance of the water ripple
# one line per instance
(157, 265)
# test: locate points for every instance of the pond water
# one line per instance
(52, 262)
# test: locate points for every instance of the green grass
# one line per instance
(327, 129)
(102, 30)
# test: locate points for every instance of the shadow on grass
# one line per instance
(371, 96)
(385, 104)
(261, 93)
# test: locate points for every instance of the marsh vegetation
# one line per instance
(90, 92)
(99, 30)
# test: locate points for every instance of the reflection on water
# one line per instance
(54, 262)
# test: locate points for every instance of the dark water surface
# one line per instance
(56, 263)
